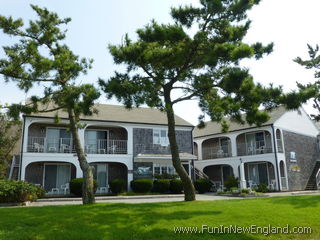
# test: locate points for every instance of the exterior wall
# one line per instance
(298, 122)
(305, 148)
(144, 137)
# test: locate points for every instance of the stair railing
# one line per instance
(318, 179)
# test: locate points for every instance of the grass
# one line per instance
(156, 220)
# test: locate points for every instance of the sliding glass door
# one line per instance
(56, 175)
(101, 174)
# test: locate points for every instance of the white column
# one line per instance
(233, 145)
(23, 170)
(81, 136)
(26, 135)
(199, 145)
(243, 182)
(130, 139)
(130, 178)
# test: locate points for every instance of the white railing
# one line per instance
(50, 145)
(258, 147)
(215, 152)
(156, 149)
(318, 179)
(284, 183)
(104, 146)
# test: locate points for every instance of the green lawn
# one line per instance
(156, 220)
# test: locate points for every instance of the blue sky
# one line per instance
(290, 24)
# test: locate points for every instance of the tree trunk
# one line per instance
(188, 188)
(87, 170)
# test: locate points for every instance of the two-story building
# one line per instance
(283, 153)
(118, 142)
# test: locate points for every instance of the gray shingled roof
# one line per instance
(116, 113)
(215, 128)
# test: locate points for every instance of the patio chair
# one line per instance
(112, 149)
(65, 148)
(102, 190)
(54, 191)
(252, 185)
(38, 147)
(260, 150)
(272, 184)
(65, 188)
(220, 153)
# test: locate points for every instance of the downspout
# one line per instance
(192, 160)
(21, 149)
(276, 156)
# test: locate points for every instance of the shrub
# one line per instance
(141, 185)
(231, 182)
(246, 191)
(176, 186)
(161, 186)
(203, 185)
(166, 176)
(263, 188)
(12, 191)
(76, 186)
(117, 186)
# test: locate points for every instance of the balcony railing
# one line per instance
(258, 147)
(213, 153)
(156, 149)
(50, 145)
(104, 146)
(279, 146)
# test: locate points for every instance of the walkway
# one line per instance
(157, 198)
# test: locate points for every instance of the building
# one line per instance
(283, 153)
(119, 143)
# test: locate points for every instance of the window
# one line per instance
(160, 136)
(293, 157)
(163, 169)
(156, 169)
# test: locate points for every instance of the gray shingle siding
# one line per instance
(144, 137)
(306, 151)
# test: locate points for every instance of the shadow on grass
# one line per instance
(297, 201)
(106, 221)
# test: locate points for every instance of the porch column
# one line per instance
(23, 166)
(233, 145)
(27, 124)
(199, 145)
(130, 178)
(81, 136)
(130, 140)
(243, 182)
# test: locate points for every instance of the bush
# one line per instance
(231, 182)
(76, 186)
(161, 186)
(141, 185)
(263, 188)
(12, 191)
(166, 176)
(176, 186)
(203, 185)
(117, 186)
(246, 191)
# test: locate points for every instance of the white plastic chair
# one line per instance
(65, 148)
(272, 184)
(38, 147)
(65, 188)
(252, 185)
(220, 153)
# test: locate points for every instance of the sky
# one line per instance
(289, 24)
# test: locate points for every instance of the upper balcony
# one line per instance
(157, 149)
(106, 140)
(254, 143)
(45, 138)
(216, 148)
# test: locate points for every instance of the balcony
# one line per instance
(104, 146)
(213, 153)
(156, 149)
(258, 147)
(50, 145)
(216, 148)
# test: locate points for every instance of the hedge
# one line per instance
(141, 185)
(161, 186)
(202, 185)
(176, 186)
(76, 186)
(117, 186)
(12, 191)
